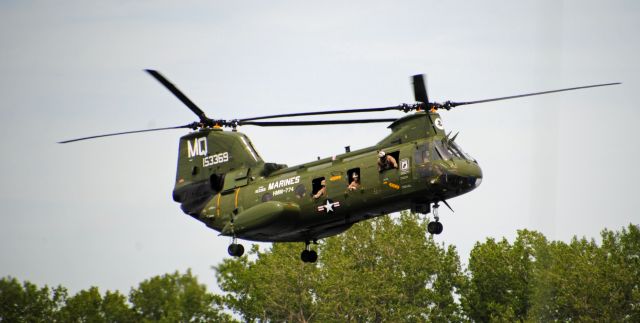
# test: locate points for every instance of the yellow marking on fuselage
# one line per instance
(218, 204)
(236, 201)
(335, 178)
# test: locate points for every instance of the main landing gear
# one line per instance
(435, 227)
(235, 249)
(307, 254)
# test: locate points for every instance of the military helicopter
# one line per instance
(223, 182)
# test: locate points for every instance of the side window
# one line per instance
(421, 154)
(389, 161)
(353, 179)
(318, 187)
(216, 182)
(395, 155)
(301, 191)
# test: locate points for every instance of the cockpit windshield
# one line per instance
(459, 152)
(436, 150)
(452, 150)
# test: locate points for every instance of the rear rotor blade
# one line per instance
(192, 125)
(420, 89)
(447, 105)
(310, 123)
(192, 106)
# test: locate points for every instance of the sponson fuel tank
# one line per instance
(265, 218)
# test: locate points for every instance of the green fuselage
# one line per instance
(266, 202)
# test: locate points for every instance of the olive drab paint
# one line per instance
(223, 182)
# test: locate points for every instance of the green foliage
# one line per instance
(584, 282)
(536, 280)
(276, 286)
(383, 270)
(90, 306)
(28, 303)
(388, 270)
(168, 298)
(500, 278)
(379, 270)
(175, 298)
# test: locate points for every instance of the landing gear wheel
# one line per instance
(235, 250)
(432, 227)
(313, 256)
(435, 227)
(307, 254)
(439, 227)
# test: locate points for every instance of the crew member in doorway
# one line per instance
(355, 182)
(322, 191)
(386, 161)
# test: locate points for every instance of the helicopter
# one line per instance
(222, 181)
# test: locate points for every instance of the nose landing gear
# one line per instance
(435, 227)
(307, 254)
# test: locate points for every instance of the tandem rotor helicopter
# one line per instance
(223, 182)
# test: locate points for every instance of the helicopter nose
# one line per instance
(478, 181)
(474, 173)
(464, 177)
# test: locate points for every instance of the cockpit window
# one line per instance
(442, 151)
(453, 151)
(426, 153)
(460, 151)
(436, 150)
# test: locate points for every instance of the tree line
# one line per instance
(383, 270)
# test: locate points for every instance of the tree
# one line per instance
(581, 281)
(275, 286)
(115, 308)
(536, 280)
(175, 298)
(388, 270)
(383, 270)
(28, 303)
(380, 270)
(90, 306)
(500, 277)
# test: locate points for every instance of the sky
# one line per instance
(100, 212)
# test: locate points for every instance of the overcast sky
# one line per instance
(100, 212)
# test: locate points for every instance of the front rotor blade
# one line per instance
(126, 132)
(397, 107)
(420, 89)
(192, 106)
(454, 104)
(311, 123)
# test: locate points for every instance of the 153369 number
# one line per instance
(215, 159)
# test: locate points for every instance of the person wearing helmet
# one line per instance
(386, 161)
(355, 182)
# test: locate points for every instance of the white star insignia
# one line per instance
(328, 206)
